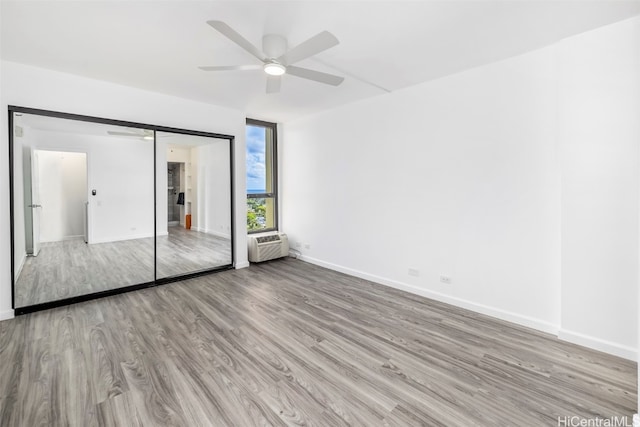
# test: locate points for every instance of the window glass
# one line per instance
(261, 174)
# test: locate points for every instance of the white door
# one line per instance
(35, 202)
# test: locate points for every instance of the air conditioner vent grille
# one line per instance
(266, 239)
(267, 247)
(270, 252)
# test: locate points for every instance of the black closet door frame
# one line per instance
(12, 109)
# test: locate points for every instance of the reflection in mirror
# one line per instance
(83, 208)
(193, 203)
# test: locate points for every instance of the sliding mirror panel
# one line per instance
(193, 210)
(83, 208)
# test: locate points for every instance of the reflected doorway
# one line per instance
(59, 198)
(57, 180)
(175, 194)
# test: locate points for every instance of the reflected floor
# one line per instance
(72, 268)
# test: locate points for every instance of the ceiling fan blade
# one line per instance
(231, 67)
(317, 76)
(112, 132)
(232, 35)
(316, 44)
(273, 84)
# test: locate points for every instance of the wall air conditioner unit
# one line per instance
(269, 246)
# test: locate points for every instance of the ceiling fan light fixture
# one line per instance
(274, 69)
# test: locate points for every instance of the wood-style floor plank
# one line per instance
(119, 411)
(288, 343)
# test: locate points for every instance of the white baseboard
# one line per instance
(6, 315)
(509, 316)
(21, 266)
(62, 239)
(121, 238)
(242, 264)
(598, 344)
(217, 234)
(212, 232)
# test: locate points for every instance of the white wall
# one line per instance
(462, 176)
(599, 101)
(456, 177)
(122, 175)
(39, 88)
(196, 192)
(179, 155)
(213, 188)
(121, 172)
(210, 186)
(21, 163)
(162, 182)
(63, 193)
(5, 243)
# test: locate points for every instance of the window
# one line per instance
(262, 198)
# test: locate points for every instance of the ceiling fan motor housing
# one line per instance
(274, 45)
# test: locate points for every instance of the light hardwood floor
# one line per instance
(290, 343)
(71, 268)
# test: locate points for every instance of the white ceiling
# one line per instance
(384, 46)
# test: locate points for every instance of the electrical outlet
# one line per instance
(445, 279)
(307, 246)
(298, 245)
(414, 272)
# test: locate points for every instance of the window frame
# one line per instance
(273, 163)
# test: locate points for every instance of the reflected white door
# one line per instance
(35, 202)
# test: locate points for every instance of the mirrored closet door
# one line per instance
(101, 206)
(194, 203)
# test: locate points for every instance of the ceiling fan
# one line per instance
(276, 59)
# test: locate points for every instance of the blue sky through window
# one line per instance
(256, 170)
